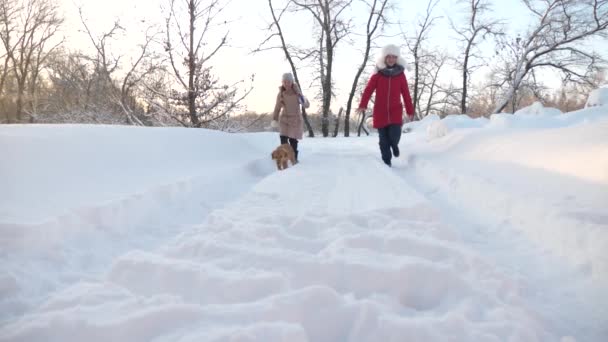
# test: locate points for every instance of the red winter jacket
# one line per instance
(388, 108)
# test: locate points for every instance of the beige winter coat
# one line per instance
(290, 120)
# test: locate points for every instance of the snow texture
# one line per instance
(598, 97)
(483, 230)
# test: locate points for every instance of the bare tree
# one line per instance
(337, 122)
(420, 55)
(203, 97)
(9, 11)
(573, 96)
(375, 25)
(429, 95)
(145, 63)
(554, 42)
(475, 29)
(159, 97)
(328, 14)
(71, 79)
(106, 63)
(277, 31)
(366, 114)
(434, 97)
(483, 100)
(117, 77)
(37, 23)
(40, 56)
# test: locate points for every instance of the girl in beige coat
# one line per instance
(289, 122)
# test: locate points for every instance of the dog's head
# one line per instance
(279, 154)
(283, 151)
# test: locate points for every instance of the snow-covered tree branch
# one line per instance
(555, 40)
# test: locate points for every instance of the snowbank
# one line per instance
(437, 129)
(547, 178)
(598, 97)
(79, 195)
(537, 108)
(87, 165)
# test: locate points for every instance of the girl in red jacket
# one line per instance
(390, 85)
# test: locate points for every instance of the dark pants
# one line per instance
(293, 142)
(389, 138)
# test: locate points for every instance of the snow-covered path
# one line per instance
(338, 248)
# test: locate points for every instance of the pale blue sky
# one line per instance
(249, 17)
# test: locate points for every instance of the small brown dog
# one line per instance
(282, 155)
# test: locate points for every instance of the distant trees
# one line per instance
(118, 81)
(71, 83)
(553, 41)
(202, 98)
(167, 76)
(332, 26)
(9, 11)
(475, 29)
(420, 55)
(104, 83)
(28, 32)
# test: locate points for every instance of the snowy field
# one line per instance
(484, 230)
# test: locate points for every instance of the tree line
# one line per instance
(170, 80)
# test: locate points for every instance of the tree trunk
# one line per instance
(329, 48)
(4, 75)
(337, 123)
(361, 127)
(325, 115)
(513, 102)
(33, 93)
(416, 79)
(501, 105)
(19, 108)
(192, 68)
(353, 89)
(465, 80)
(311, 133)
(349, 106)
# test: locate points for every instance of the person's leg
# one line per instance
(283, 139)
(394, 133)
(294, 145)
(385, 145)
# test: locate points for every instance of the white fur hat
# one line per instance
(393, 50)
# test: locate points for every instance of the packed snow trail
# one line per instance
(338, 248)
